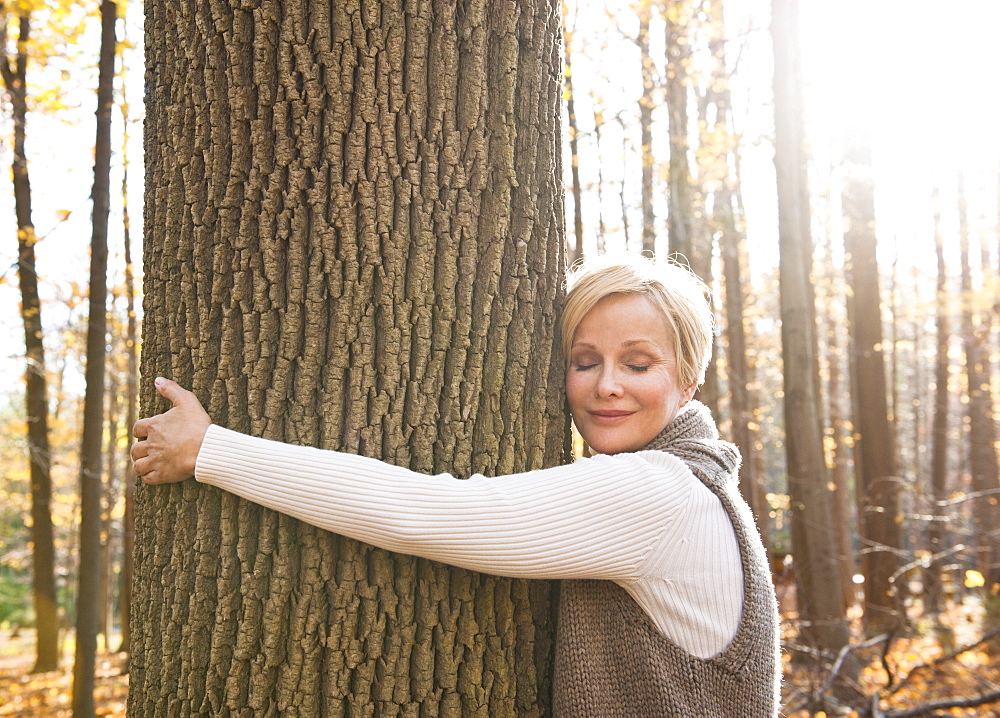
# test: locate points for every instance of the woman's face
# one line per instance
(622, 377)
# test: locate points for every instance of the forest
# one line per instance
(347, 225)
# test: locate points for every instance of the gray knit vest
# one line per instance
(612, 661)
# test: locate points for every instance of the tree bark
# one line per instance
(813, 538)
(88, 604)
(36, 388)
(354, 241)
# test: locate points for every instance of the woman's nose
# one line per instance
(609, 382)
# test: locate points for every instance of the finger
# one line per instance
(172, 391)
(150, 478)
(142, 466)
(140, 429)
(139, 450)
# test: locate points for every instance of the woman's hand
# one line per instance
(172, 439)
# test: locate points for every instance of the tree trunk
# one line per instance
(729, 223)
(876, 474)
(131, 402)
(813, 539)
(677, 14)
(354, 241)
(646, 102)
(36, 389)
(88, 605)
(574, 141)
(982, 428)
(598, 124)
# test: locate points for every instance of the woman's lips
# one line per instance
(610, 416)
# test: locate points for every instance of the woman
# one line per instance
(668, 608)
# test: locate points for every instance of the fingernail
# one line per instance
(159, 381)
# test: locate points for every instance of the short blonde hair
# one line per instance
(672, 288)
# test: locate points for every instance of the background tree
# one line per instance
(355, 241)
(981, 424)
(677, 14)
(877, 480)
(88, 598)
(816, 568)
(14, 71)
(937, 545)
(576, 252)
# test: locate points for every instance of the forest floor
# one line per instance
(968, 674)
(49, 695)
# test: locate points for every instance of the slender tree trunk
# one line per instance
(623, 200)
(598, 124)
(677, 14)
(574, 140)
(982, 428)
(646, 103)
(838, 426)
(36, 390)
(813, 538)
(876, 471)
(131, 401)
(936, 533)
(88, 606)
(110, 493)
(354, 240)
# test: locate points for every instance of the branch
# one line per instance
(945, 658)
(926, 708)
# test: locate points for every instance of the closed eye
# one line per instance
(583, 367)
(638, 367)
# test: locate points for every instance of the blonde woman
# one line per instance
(666, 608)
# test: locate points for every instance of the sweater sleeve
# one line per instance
(595, 518)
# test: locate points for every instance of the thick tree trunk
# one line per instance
(813, 539)
(88, 604)
(354, 241)
(875, 452)
(36, 389)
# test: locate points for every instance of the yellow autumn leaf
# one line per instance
(974, 579)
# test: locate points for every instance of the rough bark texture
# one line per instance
(813, 539)
(36, 388)
(877, 483)
(88, 603)
(354, 241)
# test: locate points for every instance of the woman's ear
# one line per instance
(688, 393)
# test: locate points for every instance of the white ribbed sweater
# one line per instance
(642, 520)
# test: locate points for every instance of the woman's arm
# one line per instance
(595, 518)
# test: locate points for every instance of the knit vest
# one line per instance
(612, 661)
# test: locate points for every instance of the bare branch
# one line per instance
(926, 708)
